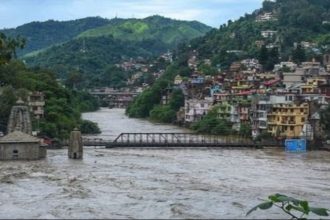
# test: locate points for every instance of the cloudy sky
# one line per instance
(212, 12)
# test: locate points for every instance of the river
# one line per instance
(158, 183)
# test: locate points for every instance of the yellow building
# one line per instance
(311, 86)
(287, 120)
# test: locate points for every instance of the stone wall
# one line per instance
(20, 151)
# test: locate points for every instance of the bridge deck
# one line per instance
(168, 140)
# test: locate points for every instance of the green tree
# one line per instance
(245, 130)
(176, 100)
(298, 54)
(89, 127)
(8, 47)
(263, 55)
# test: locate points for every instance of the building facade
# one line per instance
(195, 109)
(21, 146)
(36, 103)
(288, 120)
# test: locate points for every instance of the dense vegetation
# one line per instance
(63, 106)
(40, 35)
(148, 103)
(88, 46)
(211, 124)
(166, 31)
(298, 20)
(92, 61)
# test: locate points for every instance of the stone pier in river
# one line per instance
(75, 149)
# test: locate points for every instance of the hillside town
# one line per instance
(282, 103)
(285, 102)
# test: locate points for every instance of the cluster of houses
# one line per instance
(284, 103)
(140, 68)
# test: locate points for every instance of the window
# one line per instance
(15, 154)
(291, 128)
(303, 119)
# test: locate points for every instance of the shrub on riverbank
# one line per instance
(89, 127)
(163, 113)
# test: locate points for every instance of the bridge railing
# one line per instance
(177, 138)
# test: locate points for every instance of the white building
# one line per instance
(290, 65)
(296, 77)
(195, 109)
(268, 33)
(268, 16)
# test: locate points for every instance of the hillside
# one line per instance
(93, 50)
(168, 31)
(288, 22)
(63, 107)
(90, 56)
(280, 30)
(40, 35)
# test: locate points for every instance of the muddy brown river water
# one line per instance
(158, 183)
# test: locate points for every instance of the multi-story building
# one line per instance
(195, 109)
(260, 107)
(289, 65)
(287, 120)
(290, 79)
(36, 103)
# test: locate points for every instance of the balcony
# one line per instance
(286, 122)
(38, 112)
(37, 103)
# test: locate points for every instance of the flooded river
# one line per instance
(158, 183)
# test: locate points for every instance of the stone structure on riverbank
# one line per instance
(19, 119)
(18, 144)
(75, 150)
(21, 146)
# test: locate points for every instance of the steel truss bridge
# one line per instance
(176, 140)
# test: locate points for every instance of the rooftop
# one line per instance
(18, 137)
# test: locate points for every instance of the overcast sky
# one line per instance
(211, 12)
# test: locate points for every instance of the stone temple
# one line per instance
(18, 144)
(19, 119)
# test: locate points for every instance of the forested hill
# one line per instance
(93, 50)
(90, 56)
(41, 35)
(293, 21)
(168, 31)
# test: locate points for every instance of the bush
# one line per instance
(163, 114)
(89, 127)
